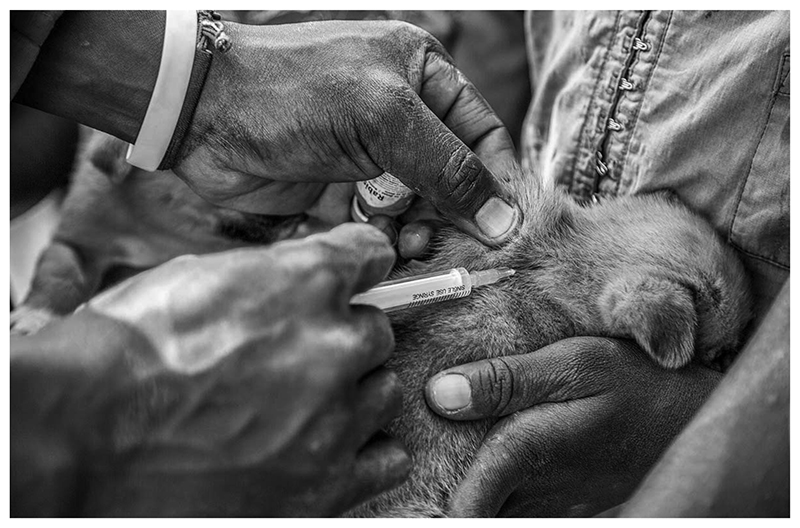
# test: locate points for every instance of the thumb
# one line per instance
(422, 152)
(456, 181)
(565, 370)
(491, 387)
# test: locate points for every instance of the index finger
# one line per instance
(358, 256)
(493, 474)
(533, 448)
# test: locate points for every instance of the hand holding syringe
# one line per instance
(429, 288)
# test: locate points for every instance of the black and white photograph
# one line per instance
(399, 263)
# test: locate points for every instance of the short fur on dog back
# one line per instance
(643, 267)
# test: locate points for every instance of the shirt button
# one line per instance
(625, 84)
(599, 166)
(641, 45)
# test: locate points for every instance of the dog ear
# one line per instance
(107, 154)
(658, 314)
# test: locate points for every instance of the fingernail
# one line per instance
(412, 245)
(451, 392)
(496, 218)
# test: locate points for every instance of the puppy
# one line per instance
(638, 267)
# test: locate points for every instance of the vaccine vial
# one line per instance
(384, 195)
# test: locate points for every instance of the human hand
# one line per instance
(413, 230)
(410, 233)
(253, 387)
(293, 107)
(583, 421)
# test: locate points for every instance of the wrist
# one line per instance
(98, 68)
(189, 45)
(222, 84)
(215, 79)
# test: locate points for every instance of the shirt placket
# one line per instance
(623, 84)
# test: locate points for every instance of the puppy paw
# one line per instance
(657, 313)
(26, 320)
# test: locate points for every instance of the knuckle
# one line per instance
(322, 282)
(369, 332)
(500, 447)
(398, 29)
(390, 104)
(514, 441)
(460, 178)
(325, 376)
(318, 267)
(389, 393)
(375, 330)
(302, 260)
(392, 379)
(497, 383)
(413, 38)
(365, 87)
(346, 338)
(385, 101)
(323, 447)
(326, 351)
(393, 386)
(320, 343)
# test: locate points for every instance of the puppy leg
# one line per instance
(657, 313)
(62, 282)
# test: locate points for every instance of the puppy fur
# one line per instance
(638, 267)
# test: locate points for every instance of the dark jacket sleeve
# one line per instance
(29, 29)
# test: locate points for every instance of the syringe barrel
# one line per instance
(417, 290)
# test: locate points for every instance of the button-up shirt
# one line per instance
(692, 101)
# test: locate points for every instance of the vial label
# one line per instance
(383, 191)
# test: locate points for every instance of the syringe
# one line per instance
(428, 288)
